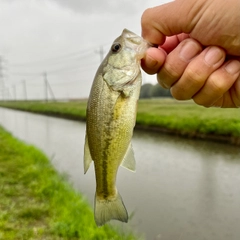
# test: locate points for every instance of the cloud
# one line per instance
(33, 31)
(102, 7)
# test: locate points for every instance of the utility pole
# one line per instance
(51, 91)
(8, 95)
(24, 89)
(45, 86)
(14, 93)
(101, 53)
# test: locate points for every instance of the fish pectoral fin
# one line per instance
(87, 156)
(129, 159)
(107, 209)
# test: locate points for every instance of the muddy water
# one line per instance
(182, 190)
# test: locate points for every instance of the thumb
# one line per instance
(169, 19)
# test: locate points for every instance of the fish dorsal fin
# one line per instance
(129, 160)
(87, 156)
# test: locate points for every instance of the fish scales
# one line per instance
(111, 116)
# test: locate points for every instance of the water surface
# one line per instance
(182, 190)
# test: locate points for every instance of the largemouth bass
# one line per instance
(111, 116)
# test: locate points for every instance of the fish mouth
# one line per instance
(137, 43)
(141, 50)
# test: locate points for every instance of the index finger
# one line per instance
(173, 41)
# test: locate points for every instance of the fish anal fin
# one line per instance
(108, 209)
(87, 156)
(129, 159)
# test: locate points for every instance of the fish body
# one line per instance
(111, 116)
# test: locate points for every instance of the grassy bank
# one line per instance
(190, 120)
(69, 110)
(167, 115)
(37, 203)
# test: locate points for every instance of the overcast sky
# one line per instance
(61, 38)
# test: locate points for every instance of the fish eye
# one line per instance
(116, 47)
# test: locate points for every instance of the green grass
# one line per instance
(183, 118)
(188, 117)
(70, 110)
(37, 203)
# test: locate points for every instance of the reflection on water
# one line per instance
(182, 190)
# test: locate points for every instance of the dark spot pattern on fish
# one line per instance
(105, 169)
(105, 160)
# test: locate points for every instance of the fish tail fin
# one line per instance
(107, 209)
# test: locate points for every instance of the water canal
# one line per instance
(182, 190)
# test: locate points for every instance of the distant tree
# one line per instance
(146, 90)
(158, 91)
(153, 91)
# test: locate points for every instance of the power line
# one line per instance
(60, 57)
(55, 71)
(75, 54)
(25, 74)
(65, 83)
(61, 67)
(74, 61)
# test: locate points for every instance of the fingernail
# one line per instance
(233, 67)
(213, 55)
(189, 50)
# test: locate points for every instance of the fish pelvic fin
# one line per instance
(87, 155)
(129, 159)
(106, 210)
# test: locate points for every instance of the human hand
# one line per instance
(201, 58)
